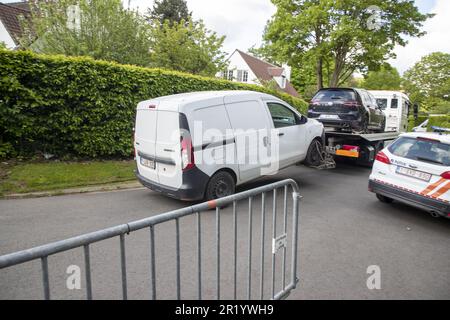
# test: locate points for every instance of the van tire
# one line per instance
(220, 185)
(314, 154)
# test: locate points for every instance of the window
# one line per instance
(335, 94)
(430, 151)
(239, 75)
(282, 116)
(404, 107)
(366, 98)
(382, 103)
(230, 75)
(394, 103)
(373, 101)
(283, 82)
(245, 76)
(225, 74)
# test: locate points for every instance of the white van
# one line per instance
(201, 145)
(396, 106)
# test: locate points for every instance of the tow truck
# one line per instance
(360, 147)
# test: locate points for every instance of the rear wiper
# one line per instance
(429, 160)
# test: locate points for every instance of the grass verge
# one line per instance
(52, 175)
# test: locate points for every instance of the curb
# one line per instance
(88, 189)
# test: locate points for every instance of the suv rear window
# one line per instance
(335, 94)
(429, 151)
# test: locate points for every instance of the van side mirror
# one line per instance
(416, 110)
(302, 119)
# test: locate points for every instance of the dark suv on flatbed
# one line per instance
(347, 109)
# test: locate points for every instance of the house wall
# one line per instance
(5, 37)
(236, 62)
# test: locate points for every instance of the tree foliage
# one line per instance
(428, 82)
(102, 29)
(386, 78)
(187, 46)
(172, 10)
(341, 36)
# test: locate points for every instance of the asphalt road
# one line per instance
(343, 229)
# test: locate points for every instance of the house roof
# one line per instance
(9, 15)
(266, 71)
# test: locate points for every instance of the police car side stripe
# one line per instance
(441, 191)
(432, 186)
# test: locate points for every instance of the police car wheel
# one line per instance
(384, 199)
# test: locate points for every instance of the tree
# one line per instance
(344, 36)
(102, 29)
(172, 10)
(187, 46)
(428, 82)
(386, 78)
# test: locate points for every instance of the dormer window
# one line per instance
(283, 81)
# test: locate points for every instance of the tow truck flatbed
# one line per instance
(360, 146)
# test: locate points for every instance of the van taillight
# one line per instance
(134, 145)
(446, 175)
(381, 157)
(187, 154)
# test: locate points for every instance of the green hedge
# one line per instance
(441, 121)
(80, 107)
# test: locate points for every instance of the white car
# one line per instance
(415, 169)
(421, 127)
(201, 145)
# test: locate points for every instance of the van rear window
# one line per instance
(382, 103)
(429, 151)
(394, 103)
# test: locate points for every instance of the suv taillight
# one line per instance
(352, 103)
(446, 175)
(187, 154)
(381, 157)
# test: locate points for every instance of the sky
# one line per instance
(243, 21)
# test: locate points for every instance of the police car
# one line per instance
(415, 169)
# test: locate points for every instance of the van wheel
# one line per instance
(384, 199)
(220, 185)
(314, 154)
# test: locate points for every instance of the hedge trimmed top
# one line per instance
(81, 107)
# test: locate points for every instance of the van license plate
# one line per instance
(414, 174)
(148, 163)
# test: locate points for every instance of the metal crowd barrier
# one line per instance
(279, 242)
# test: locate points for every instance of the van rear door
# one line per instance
(168, 149)
(157, 142)
(145, 140)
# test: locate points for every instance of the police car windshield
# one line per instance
(426, 150)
